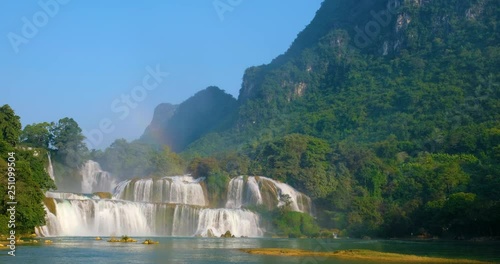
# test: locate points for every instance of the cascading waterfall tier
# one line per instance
(257, 190)
(94, 179)
(215, 222)
(172, 189)
(73, 196)
(105, 217)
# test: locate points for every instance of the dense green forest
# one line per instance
(386, 113)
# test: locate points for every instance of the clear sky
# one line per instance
(89, 59)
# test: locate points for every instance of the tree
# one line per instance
(203, 167)
(217, 183)
(286, 202)
(67, 142)
(436, 175)
(10, 125)
(37, 135)
(234, 163)
(295, 224)
(168, 163)
(299, 160)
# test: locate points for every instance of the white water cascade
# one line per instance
(96, 217)
(50, 169)
(256, 190)
(215, 222)
(94, 179)
(172, 189)
(72, 196)
(105, 217)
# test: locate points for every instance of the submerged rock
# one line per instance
(103, 195)
(150, 242)
(124, 239)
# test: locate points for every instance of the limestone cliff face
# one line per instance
(333, 15)
(378, 27)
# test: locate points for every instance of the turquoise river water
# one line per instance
(218, 250)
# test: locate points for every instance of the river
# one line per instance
(217, 250)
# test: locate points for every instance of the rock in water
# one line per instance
(227, 234)
(210, 233)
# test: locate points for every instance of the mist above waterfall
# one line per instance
(94, 179)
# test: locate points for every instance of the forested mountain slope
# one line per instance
(385, 112)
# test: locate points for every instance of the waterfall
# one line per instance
(94, 179)
(103, 217)
(115, 218)
(171, 189)
(300, 202)
(96, 218)
(50, 169)
(254, 190)
(185, 220)
(239, 222)
(51, 226)
(235, 193)
(73, 196)
(164, 206)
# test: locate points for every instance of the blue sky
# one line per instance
(79, 58)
